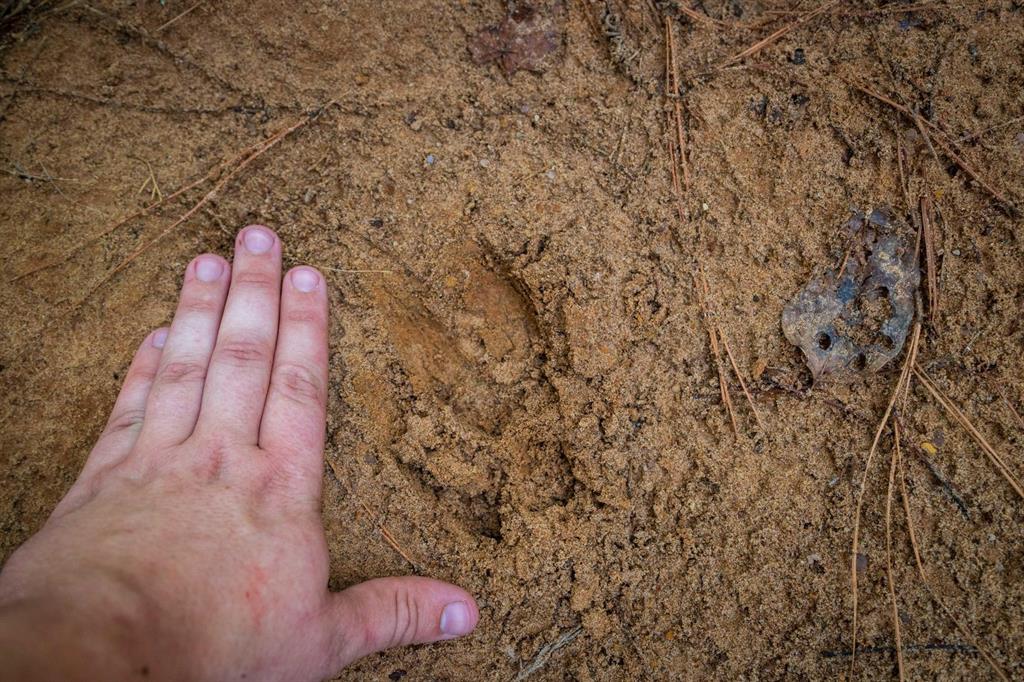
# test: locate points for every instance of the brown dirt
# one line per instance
(526, 397)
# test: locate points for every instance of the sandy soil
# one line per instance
(522, 387)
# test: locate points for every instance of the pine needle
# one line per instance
(765, 42)
(384, 532)
(897, 636)
(900, 390)
(945, 142)
(178, 16)
(928, 228)
(673, 84)
(209, 176)
(743, 384)
(915, 546)
(271, 142)
(994, 457)
(677, 143)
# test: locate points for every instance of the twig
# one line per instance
(994, 457)
(900, 389)
(28, 88)
(161, 27)
(765, 42)
(23, 174)
(239, 162)
(389, 538)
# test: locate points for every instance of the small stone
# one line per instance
(550, 174)
(416, 124)
(484, 163)
(798, 58)
(956, 252)
(431, 159)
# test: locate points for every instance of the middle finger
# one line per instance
(236, 385)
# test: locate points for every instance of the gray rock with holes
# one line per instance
(827, 318)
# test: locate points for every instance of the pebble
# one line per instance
(956, 252)
(431, 159)
(484, 163)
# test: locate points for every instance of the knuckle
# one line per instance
(182, 372)
(299, 383)
(199, 305)
(255, 279)
(406, 618)
(140, 374)
(125, 419)
(243, 353)
(307, 315)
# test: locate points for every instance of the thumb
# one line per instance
(386, 612)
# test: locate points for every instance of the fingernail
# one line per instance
(455, 619)
(257, 240)
(208, 269)
(159, 338)
(305, 280)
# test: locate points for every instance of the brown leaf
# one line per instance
(524, 41)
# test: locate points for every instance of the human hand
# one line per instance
(191, 545)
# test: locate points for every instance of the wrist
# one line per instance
(96, 629)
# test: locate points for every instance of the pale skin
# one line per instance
(191, 546)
